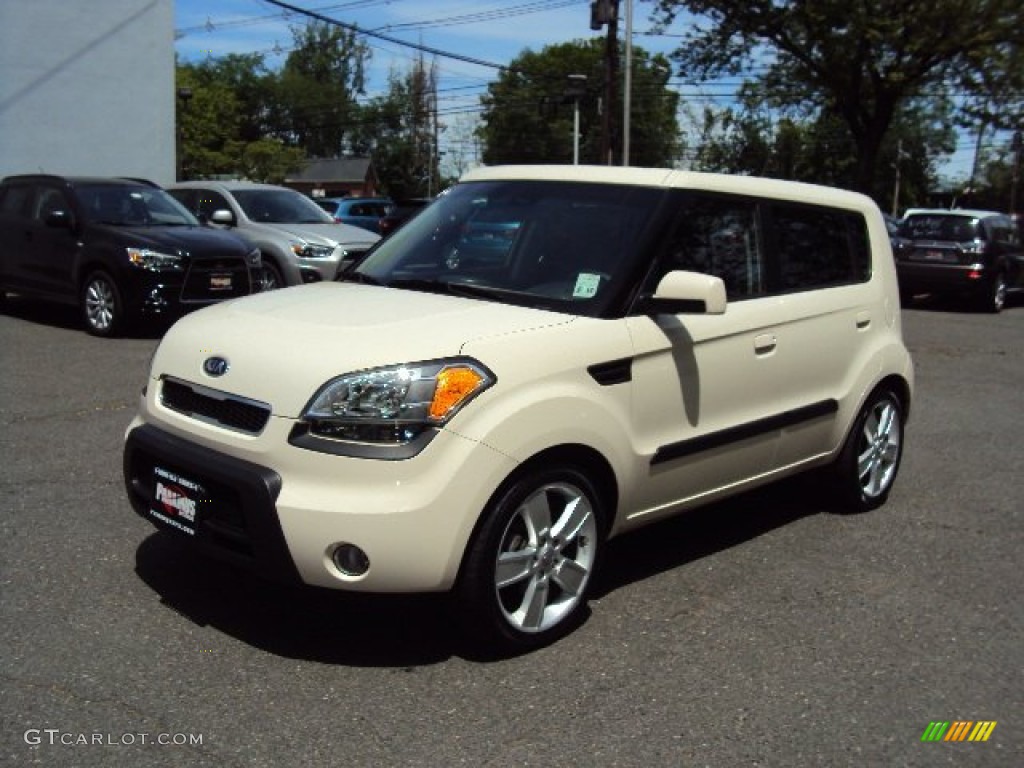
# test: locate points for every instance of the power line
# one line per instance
(387, 38)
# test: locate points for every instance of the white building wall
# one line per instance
(87, 88)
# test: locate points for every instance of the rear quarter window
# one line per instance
(818, 247)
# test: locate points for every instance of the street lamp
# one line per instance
(575, 89)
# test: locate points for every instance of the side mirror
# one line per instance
(223, 216)
(59, 219)
(681, 292)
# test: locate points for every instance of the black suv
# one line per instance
(116, 248)
(976, 253)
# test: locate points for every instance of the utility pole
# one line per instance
(627, 89)
(1016, 146)
(896, 192)
(969, 192)
(607, 12)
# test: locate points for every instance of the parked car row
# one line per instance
(117, 249)
(120, 249)
(977, 254)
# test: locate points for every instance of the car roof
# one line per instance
(675, 179)
(227, 185)
(961, 212)
(72, 180)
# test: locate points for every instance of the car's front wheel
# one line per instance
(271, 278)
(102, 307)
(867, 467)
(531, 563)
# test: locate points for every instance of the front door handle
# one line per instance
(765, 343)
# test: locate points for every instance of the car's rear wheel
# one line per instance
(994, 299)
(102, 307)
(270, 277)
(867, 467)
(530, 565)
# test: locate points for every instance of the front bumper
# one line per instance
(157, 293)
(282, 510)
(238, 521)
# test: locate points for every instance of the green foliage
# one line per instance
(750, 139)
(318, 86)
(858, 63)
(397, 131)
(528, 117)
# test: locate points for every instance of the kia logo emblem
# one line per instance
(215, 366)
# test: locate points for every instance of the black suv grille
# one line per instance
(212, 406)
(215, 279)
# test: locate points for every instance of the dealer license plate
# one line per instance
(220, 282)
(176, 500)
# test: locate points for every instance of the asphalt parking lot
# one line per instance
(765, 631)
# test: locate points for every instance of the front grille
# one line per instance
(214, 407)
(215, 279)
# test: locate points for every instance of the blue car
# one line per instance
(365, 212)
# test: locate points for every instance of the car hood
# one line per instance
(197, 242)
(321, 234)
(284, 345)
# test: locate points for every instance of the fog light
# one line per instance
(350, 560)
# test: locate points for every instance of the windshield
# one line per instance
(130, 205)
(280, 206)
(560, 245)
(958, 229)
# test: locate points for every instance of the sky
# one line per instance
(494, 31)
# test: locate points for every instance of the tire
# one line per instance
(528, 569)
(867, 466)
(102, 307)
(271, 277)
(994, 299)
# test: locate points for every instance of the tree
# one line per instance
(318, 86)
(398, 131)
(528, 114)
(860, 62)
(226, 125)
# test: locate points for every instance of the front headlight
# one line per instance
(309, 251)
(154, 261)
(394, 405)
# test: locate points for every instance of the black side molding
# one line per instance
(744, 431)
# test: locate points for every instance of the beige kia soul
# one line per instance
(544, 358)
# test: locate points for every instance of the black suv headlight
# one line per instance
(155, 261)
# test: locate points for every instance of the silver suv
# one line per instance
(542, 359)
(299, 241)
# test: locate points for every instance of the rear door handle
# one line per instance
(765, 343)
(863, 319)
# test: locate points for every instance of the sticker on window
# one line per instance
(586, 285)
